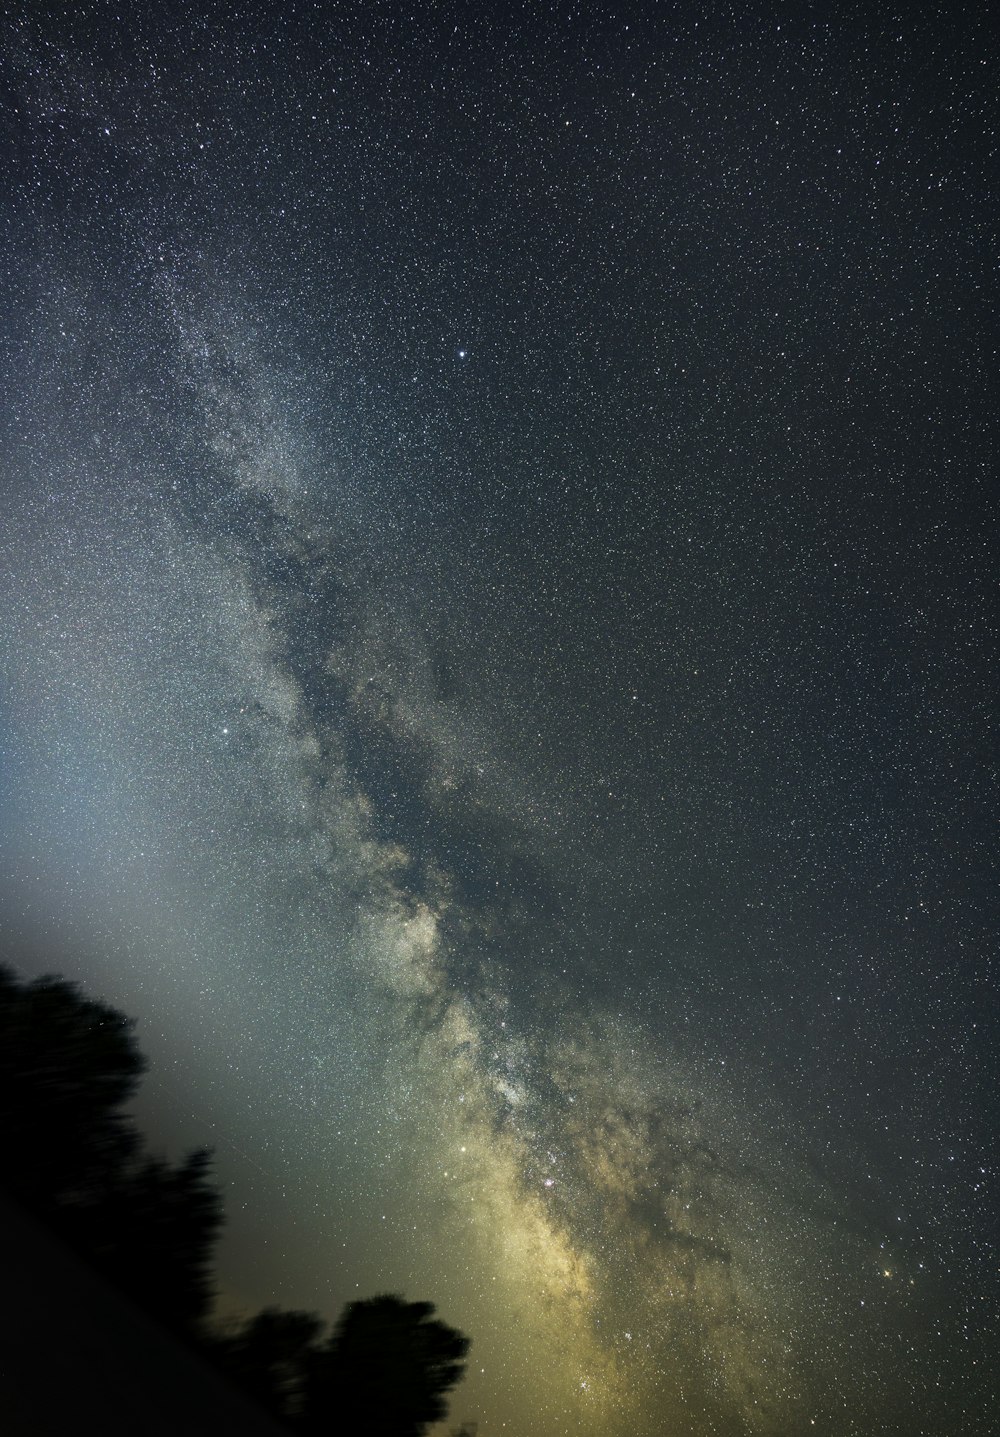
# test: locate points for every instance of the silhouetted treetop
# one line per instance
(268, 1357)
(154, 1233)
(385, 1370)
(67, 1066)
(70, 1154)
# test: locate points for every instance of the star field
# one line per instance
(498, 633)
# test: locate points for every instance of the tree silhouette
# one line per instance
(153, 1234)
(69, 1154)
(268, 1357)
(67, 1065)
(384, 1370)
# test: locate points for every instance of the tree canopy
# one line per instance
(68, 1065)
(71, 1154)
(385, 1369)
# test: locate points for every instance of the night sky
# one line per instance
(498, 630)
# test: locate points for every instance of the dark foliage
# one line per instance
(153, 1235)
(385, 1370)
(71, 1156)
(268, 1357)
(67, 1066)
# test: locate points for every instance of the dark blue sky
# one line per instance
(499, 630)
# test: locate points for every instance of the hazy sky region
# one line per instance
(498, 635)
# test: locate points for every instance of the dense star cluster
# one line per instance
(498, 630)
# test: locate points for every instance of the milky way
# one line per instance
(496, 678)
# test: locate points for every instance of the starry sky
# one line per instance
(498, 625)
